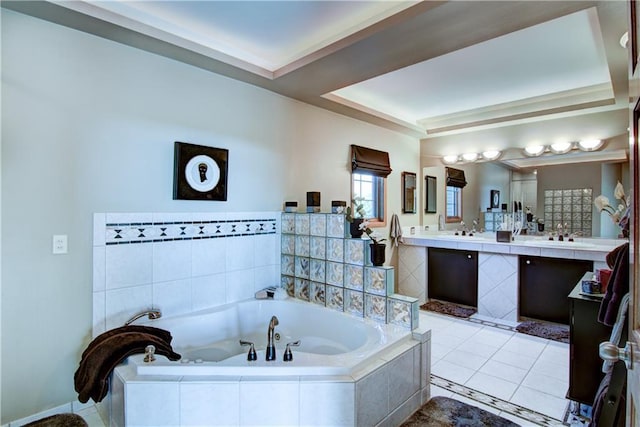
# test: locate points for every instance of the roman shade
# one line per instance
(369, 161)
(455, 178)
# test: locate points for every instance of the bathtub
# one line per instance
(343, 369)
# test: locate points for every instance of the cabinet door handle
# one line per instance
(469, 256)
(528, 262)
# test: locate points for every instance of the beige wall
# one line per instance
(88, 125)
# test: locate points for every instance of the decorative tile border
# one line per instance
(497, 403)
(147, 232)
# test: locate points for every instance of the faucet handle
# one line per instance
(149, 353)
(251, 356)
(288, 355)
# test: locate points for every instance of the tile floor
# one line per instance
(523, 370)
(475, 363)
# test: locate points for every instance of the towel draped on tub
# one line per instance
(106, 351)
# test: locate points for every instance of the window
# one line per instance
(455, 182)
(372, 189)
(454, 204)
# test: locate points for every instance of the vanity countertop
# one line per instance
(594, 249)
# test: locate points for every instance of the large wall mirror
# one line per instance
(431, 194)
(408, 192)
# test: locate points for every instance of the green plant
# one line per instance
(357, 211)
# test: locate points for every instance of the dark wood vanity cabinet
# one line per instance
(452, 275)
(544, 284)
(585, 336)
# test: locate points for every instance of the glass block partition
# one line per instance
(571, 208)
(322, 264)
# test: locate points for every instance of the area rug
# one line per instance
(444, 411)
(59, 420)
(550, 331)
(448, 308)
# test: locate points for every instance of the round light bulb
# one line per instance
(491, 155)
(534, 150)
(561, 147)
(590, 144)
(470, 157)
(450, 159)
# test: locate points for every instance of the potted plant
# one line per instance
(355, 217)
(377, 247)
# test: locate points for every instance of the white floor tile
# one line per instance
(492, 385)
(463, 329)
(91, 416)
(526, 345)
(466, 359)
(480, 349)
(438, 352)
(540, 402)
(451, 371)
(504, 371)
(493, 336)
(443, 339)
(514, 359)
(546, 384)
(559, 371)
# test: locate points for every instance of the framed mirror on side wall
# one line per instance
(408, 192)
(431, 194)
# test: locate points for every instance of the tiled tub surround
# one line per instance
(497, 265)
(378, 377)
(322, 264)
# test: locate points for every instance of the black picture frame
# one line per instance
(199, 172)
(409, 193)
(430, 194)
(494, 202)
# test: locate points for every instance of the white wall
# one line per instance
(88, 126)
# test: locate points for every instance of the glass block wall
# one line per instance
(571, 208)
(322, 264)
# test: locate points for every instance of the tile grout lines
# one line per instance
(497, 403)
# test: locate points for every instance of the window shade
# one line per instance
(370, 161)
(455, 178)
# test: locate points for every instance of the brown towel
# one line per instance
(160, 333)
(618, 285)
(91, 377)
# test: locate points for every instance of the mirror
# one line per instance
(408, 192)
(430, 194)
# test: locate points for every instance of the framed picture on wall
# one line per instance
(199, 172)
(495, 199)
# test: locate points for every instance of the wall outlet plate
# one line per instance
(59, 244)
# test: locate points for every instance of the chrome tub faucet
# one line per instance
(271, 348)
(151, 314)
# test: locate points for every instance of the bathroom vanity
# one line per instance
(508, 287)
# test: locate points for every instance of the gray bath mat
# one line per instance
(550, 331)
(448, 308)
(444, 412)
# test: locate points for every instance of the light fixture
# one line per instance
(470, 157)
(534, 150)
(491, 154)
(589, 144)
(450, 159)
(561, 147)
(624, 40)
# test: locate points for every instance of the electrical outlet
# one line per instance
(60, 244)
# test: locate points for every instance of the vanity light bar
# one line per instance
(563, 147)
(471, 157)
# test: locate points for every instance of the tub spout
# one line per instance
(271, 348)
(151, 314)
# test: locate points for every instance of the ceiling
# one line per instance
(460, 75)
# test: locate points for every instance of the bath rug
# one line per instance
(444, 411)
(550, 331)
(448, 308)
(59, 420)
